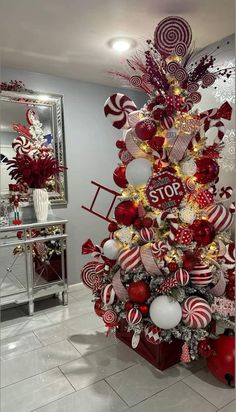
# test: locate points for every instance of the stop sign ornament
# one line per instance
(164, 191)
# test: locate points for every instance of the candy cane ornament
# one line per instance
(172, 219)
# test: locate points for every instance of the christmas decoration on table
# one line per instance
(169, 252)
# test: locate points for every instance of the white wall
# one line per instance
(90, 152)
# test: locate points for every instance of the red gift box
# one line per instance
(162, 355)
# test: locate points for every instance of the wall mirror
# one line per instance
(49, 108)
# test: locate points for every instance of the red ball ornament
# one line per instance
(144, 309)
(172, 266)
(128, 306)
(119, 176)
(145, 129)
(112, 227)
(139, 291)
(204, 348)
(230, 290)
(156, 142)
(147, 222)
(158, 114)
(203, 232)
(204, 198)
(207, 170)
(98, 307)
(222, 359)
(126, 212)
(120, 144)
(138, 223)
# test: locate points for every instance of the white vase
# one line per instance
(40, 199)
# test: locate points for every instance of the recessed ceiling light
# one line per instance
(121, 44)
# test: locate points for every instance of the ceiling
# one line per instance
(69, 37)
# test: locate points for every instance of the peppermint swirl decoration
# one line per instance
(110, 317)
(192, 87)
(180, 49)
(146, 78)
(195, 97)
(171, 31)
(181, 74)
(172, 67)
(135, 81)
(21, 145)
(208, 79)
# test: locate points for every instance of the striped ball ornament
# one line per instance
(229, 257)
(130, 259)
(220, 217)
(182, 276)
(134, 316)
(147, 234)
(200, 275)
(196, 312)
(108, 294)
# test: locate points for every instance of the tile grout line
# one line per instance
(225, 405)
(202, 396)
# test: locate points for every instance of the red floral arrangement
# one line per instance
(13, 85)
(35, 172)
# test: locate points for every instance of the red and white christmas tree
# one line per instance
(167, 266)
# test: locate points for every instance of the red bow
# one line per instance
(89, 247)
(225, 111)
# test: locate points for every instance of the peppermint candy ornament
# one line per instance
(88, 274)
(204, 198)
(21, 145)
(147, 234)
(196, 312)
(151, 333)
(184, 236)
(182, 277)
(229, 257)
(110, 318)
(160, 249)
(220, 217)
(117, 108)
(134, 316)
(108, 294)
(31, 116)
(200, 275)
(129, 259)
(226, 192)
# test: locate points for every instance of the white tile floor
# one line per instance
(60, 361)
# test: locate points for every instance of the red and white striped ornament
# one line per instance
(148, 260)
(108, 294)
(134, 316)
(160, 249)
(110, 318)
(88, 274)
(129, 259)
(190, 185)
(151, 333)
(21, 145)
(173, 222)
(182, 276)
(220, 217)
(147, 234)
(232, 208)
(167, 122)
(200, 275)
(117, 108)
(196, 312)
(229, 257)
(184, 236)
(204, 198)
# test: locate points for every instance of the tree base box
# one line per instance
(162, 356)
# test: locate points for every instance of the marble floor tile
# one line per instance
(148, 381)
(75, 309)
(96, 398)
(176, 398)
(231, 407)
(88, 341)
(54, 333)
(77, 291)
(15, 346)
(29, 324)
(37, 361)
(210, 388)
(97, 366)
(32, 393)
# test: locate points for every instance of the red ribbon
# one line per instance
(225, 111)
(89, 247)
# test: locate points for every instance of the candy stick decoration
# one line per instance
(232, 208)
(172, 219)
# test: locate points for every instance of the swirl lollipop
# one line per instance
(170, 32)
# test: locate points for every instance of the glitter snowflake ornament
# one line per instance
(227, 155)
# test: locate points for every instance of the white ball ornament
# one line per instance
(188, 167)
(165, 312)
(111, 249)
(138, 171)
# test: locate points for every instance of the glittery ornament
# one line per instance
(188, 167)
(204, 198)
(167, 285)
(124, 235)
(187, 215)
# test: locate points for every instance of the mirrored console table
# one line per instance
(33, 262)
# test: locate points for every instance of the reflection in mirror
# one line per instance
(49, 109)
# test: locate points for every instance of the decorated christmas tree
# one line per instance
(166, 271)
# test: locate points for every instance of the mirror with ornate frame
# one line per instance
(49, 108)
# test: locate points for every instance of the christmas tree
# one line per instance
(167, 267)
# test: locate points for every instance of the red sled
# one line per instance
(162, 355)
